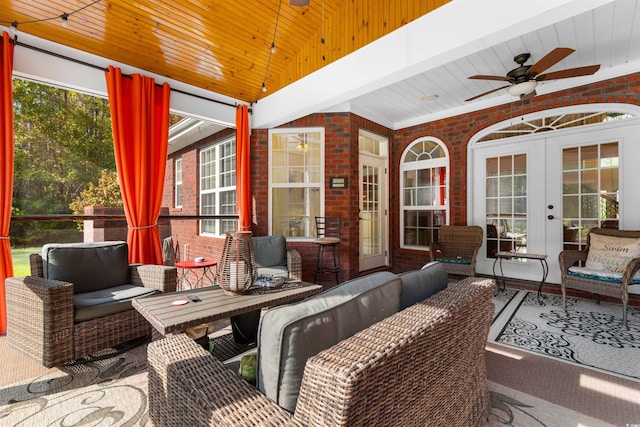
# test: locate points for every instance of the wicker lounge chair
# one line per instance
(457, 248)
(42, 319)
(599, 285)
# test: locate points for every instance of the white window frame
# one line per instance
(178, 196)
(309, 227)
(216, 190)
(420, 165)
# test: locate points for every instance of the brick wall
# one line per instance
(456, 132)
(186, 232)
(341, 144)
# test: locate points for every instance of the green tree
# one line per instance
(105, 193)
(62, 143)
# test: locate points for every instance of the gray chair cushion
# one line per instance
(91, 305)
(290, 334)
(89, 266)
(270, 250)
(117, 293)
(419, 285)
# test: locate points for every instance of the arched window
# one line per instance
(424, 192)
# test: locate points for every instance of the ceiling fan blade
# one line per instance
(550, 59)
(486, 93)
(299, 2)
(498, 78)
(569, 72)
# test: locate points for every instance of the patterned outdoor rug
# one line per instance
(515, 409)
(109, 388)
(587, 334)
(113, 391)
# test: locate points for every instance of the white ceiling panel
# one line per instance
(608, 35)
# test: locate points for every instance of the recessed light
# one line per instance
(430, 97)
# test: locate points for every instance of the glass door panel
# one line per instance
(506, 204)
(590, 191)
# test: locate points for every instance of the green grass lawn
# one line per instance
(21, 260)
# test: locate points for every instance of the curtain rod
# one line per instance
(97, 67)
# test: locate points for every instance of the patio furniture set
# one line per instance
(380, 349)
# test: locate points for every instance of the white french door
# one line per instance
(591, 182)
(573, 180)
(373, 242)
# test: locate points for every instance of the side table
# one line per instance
(193, 266)
(510, 255)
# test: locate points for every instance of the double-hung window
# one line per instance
(218, 187)
(424, 190)
(296, 176)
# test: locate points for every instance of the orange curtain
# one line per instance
(140, 122)
(243, 178)
(6, 171)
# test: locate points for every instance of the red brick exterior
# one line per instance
(186, 232)
(341, 159)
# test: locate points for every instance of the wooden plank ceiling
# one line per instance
(219, 45)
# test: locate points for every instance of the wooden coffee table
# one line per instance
(214, 304)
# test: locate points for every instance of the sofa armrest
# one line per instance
(161, 277)
(413, 356)
(294, 264)
(568, 258)
(35, 263)
(188, 386)
(40, 318)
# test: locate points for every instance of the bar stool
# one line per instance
(328, 235)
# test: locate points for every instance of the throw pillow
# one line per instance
(289, 334)
(90, 266)
(611, 253)
(418, 285)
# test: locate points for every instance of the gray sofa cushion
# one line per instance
(270, 250)
(91, 305)
(290, 334)
(89, 266)
(419, 285)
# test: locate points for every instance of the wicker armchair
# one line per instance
(41, 315)
(409, 369)
(613, 288)
(457, 248)
(273, 258)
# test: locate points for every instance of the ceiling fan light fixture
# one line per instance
(430, 97)
(523, 88)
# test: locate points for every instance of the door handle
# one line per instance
(551, 217)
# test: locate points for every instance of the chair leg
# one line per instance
(319, 262)
(336, 264)
(564, 297)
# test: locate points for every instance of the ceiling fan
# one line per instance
(299, 2)
(524, 78)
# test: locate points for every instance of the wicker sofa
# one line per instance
(78, 300)
(423, 365)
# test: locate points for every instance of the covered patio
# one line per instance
(340, 105)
